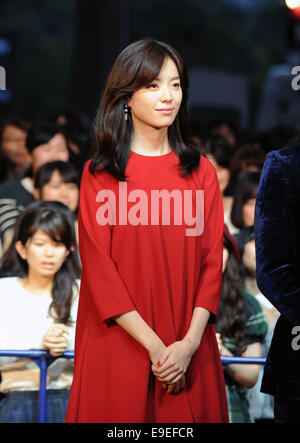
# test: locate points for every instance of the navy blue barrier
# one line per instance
(43, 359)
(226, 360)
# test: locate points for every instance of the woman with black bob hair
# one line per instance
(46, 142)
(243, 206)
(219, 153)
(146, 349)
(58, 181)
(38, 309)
(13, 133)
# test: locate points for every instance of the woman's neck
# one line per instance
(38, 284)
(150, 141)
(251, 285)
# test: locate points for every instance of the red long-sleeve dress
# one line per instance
(158, 269)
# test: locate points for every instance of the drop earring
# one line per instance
(126, 111)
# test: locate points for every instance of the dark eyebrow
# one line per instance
(172, 79)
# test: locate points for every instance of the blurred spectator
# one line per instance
(7, 168)
(279, 137)
(199, 130)
(73, 124)
(219, 152)
(58, 181)
(240, 329)
(45, 142)
(246, 241)
(248, 138)
(38, 310)
(247, 157)
(226, 129)
(244, 199)
(261, 405)
(13, 134)
(76, 131)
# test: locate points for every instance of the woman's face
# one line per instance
(55, 149)
(222, 173)
(226, 132)
(13, 143)
(248, 212)
(57, 190)
(43, 255)
(157, 104)
(249, 257)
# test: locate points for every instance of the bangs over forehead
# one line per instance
(153, 59)
(66, 171)
(140, 63)
(54, 220)
(53, 226)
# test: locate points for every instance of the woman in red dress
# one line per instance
(151, 244)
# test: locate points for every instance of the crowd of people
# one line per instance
(40, 173)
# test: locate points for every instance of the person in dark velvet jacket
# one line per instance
(277, 237)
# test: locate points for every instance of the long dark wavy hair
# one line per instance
(136, 67)
(231, 319)
(56, 220)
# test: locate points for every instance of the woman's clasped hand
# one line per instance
(171, 368)
(55, 339)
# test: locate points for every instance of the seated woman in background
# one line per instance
(248, 156)
(244, 199)
(219, 153)
(240, 328)
(59, 181)
(13, 135)
(261, 404)
(38, 310)
(246, 241)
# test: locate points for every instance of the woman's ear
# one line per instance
(21, 249)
